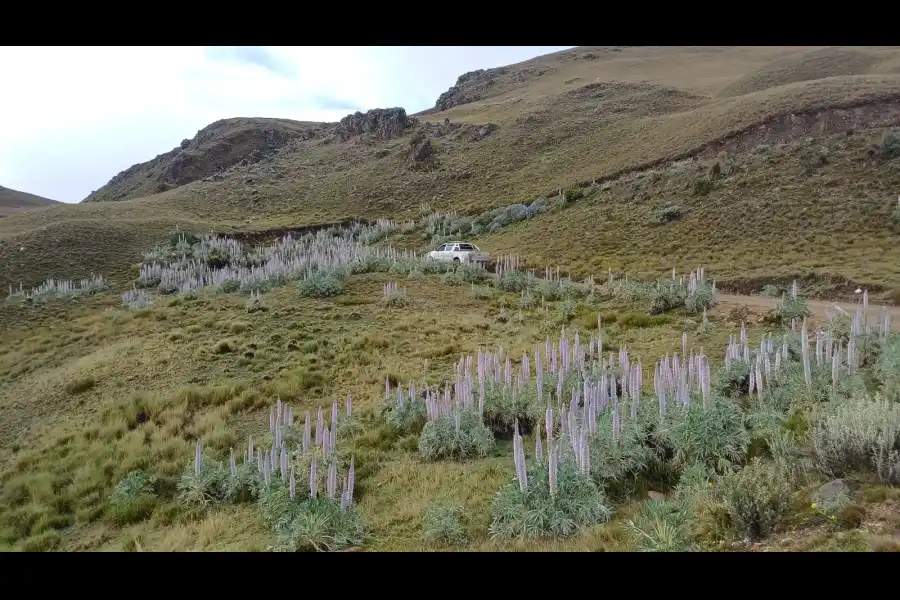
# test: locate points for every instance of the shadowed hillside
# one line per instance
(13, 201)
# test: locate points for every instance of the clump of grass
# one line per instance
(459, 435)
(703, 186)
(895, 214)
(706, 327)
(444, 523)
(324, 283)
(661, 526)
(79, 385)
(695, 294)
(757, 498)
(619, 452)
(668, 214)
(133, 499)
(46, 541)
(636, 320)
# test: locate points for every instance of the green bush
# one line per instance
(502, 408)
(444, 523)
(758, 497)
(513, 281)
(536, 513)
(714, 436)
(409, 417)
(456, 436)
(771, 291)
(668, 214)
(889, 144)
(626, 458)
(667, 296)
(133, 499)
(481, 292)
(732, 382)
(887, 368)
(466, 274)
(574, 194)
(309, 524)
(859, 435)
(702, 187)
(321, 284)
(791, 308)
(214, 484)
(526, 300)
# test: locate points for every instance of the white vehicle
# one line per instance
(459, 252)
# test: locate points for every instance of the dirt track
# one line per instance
(758, 305)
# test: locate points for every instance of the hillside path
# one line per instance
(761, 304)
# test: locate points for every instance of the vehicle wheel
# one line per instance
(456, 260)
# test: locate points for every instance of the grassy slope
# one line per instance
(777, 212)
(68, 373)
(93, 369)
(553, 130)
(14, 201)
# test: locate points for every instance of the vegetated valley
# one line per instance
(688, 340)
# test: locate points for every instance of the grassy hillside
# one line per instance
(13, 201)
(763, 165)
(555, 121)
(214, 149)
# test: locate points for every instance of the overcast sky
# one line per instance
(71, 118)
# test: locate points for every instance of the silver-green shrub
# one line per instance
(444, 523)
(459, 435)
(861, 434)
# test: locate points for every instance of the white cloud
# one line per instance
(71, 118)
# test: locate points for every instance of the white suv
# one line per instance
(459, 252)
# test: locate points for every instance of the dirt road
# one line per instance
(758, 305)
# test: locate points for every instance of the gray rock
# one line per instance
(382, 123)
(833, 490)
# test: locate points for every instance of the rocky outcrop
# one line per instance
(422, 155)
(214, 149)
(380, 123)
(470, 87)
(478, 85)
